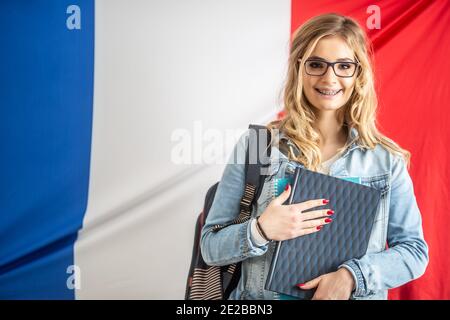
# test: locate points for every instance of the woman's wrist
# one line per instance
(255, 235)
(261, 230)
(347, 275)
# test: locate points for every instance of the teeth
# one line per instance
(329, 93)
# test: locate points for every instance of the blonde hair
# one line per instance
(360, 110)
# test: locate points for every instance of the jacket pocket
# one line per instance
(381, 183)
(377, 240)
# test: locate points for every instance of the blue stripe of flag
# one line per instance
(46, 97)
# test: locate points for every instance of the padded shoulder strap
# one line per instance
(257, 158)
(258, 153)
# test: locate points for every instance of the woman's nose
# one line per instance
(329, 76)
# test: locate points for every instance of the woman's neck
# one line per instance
(331, 130)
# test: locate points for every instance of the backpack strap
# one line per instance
(256, 159)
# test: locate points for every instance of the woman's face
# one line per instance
(328, 91)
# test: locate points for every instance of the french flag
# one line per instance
(92, 204)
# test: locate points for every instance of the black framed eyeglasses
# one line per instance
(343, 69)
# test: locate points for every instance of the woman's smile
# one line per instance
(328, 94)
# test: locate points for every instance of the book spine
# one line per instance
(279, 243)
(272, 265)
(294, 185)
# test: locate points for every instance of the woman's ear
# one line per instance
(359, 70)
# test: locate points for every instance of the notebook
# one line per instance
(307, 257)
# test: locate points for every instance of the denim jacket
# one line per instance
(397, 252)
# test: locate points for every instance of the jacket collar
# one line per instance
(353, 135)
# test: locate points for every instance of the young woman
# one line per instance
(330, 126)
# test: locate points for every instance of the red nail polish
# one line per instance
(330, 212)
(327, 220)
(287, 187)
(300, 285)
(319, 227)
(325, 201)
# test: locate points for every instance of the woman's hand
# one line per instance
(282, 222)
(332, 286)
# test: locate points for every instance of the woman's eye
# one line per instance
(316, 65)
(344, 66)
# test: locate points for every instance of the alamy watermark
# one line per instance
(73, 21)
(212, 146)
(74, 278)
(374, 20)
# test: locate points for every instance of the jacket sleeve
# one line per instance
(407, 256)
(233, 243)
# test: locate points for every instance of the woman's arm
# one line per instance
(407, 256)
(233, 243)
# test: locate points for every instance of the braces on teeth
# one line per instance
(329, 93)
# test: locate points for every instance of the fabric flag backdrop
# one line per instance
(91, 203)
(46, 83)
(412, 72)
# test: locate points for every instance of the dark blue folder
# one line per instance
(307, 257)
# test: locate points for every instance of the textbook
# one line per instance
(304, 258)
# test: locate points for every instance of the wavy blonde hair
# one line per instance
(360, 110)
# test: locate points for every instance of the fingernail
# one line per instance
(330, 212)
(319, 227)
(287, 187)
(300, 285)
(325, 201)
(327, 220)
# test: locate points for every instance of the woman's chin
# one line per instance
(328, 106)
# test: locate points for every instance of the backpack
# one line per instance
(207, 282)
